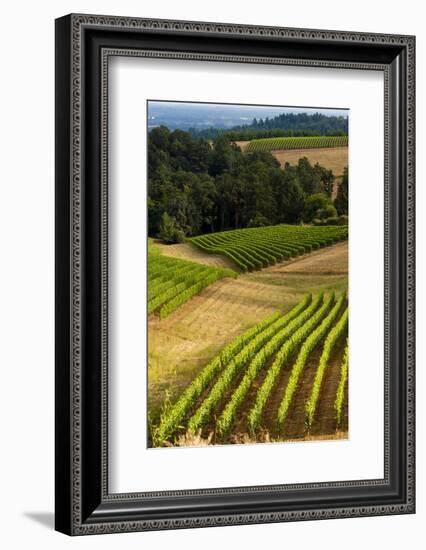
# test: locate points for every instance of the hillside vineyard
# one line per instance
(257, 359)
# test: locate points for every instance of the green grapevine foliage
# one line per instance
(172, 281)
(309, 322)
(258, 362)
(303, 142)
(338, 404)
(333, 337)
(311, 341)
(173, 419)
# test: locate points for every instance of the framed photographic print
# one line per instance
(234, 274)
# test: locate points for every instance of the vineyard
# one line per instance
(252, 384)
(256, 248)
(172, 281)
(307, 142)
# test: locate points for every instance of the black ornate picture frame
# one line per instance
(84, 43)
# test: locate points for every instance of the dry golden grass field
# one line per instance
(182, 344)
(332, 158)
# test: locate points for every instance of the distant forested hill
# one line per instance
(315, 122)
(286, 124)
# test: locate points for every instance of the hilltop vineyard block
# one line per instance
(255, 248)
(305, 142)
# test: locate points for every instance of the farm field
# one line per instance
(253, 382)
(333, 158)
(182, 344)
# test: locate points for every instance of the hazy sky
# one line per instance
(250, 110)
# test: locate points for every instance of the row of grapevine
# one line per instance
(297, 315)
(331, 340)
(159, 266)
(165, 296)
(226, 378)
(340, 394)
(180, 275)
(188, 293)
(174, 417)
(172, 281)
(303, 142)
(316, 316)
(309, 344)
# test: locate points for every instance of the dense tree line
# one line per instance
(342, 196)
(284, 125)
(197, 187)
(303, 121)
(249, 134)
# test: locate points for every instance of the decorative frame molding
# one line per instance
(84, 44)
